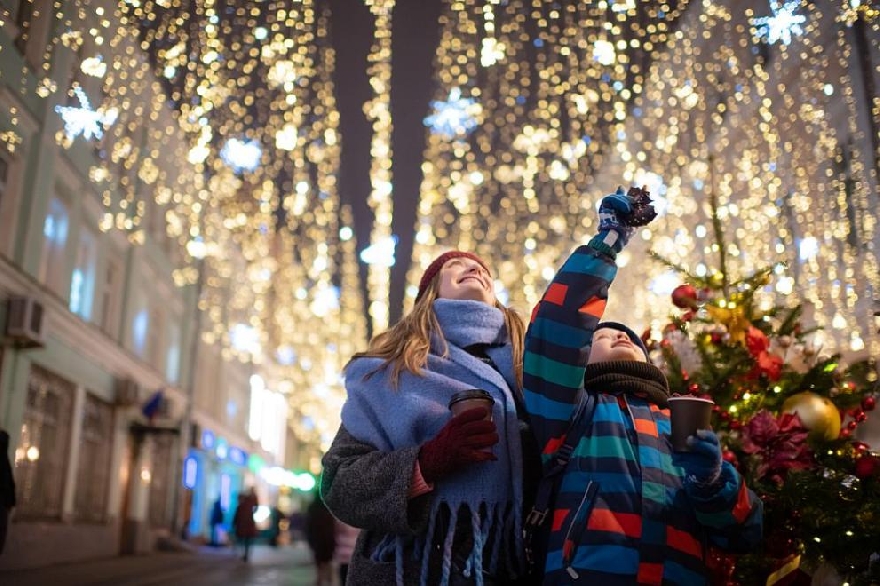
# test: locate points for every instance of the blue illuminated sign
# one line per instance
(222, 449)
(190, 472)
(207, 439)
(237, 456)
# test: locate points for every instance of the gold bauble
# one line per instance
(817, 413)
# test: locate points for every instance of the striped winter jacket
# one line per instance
(624, 515)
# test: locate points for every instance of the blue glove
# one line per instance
(612, 210)
(621, 213)
(702, 464)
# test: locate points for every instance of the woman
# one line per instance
(243, 521)
(321, 537)
(439, 498)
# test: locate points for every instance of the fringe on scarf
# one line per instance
(489, 538)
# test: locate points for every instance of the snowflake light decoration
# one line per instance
(782, 24)
(457, 115)
(242, 155)
(83, 120)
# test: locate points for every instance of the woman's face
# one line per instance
(465, 278)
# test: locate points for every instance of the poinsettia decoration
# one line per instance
(777, 444)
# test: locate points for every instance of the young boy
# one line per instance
(629, 510)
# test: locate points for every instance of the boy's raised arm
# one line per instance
(562, 324)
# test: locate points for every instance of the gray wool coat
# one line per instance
(367, 488)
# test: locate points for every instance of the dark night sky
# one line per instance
(414, 42)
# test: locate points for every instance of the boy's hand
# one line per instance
(622, 213)
(702, 464)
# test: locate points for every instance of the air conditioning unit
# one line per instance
(25, 322)
(128, 392)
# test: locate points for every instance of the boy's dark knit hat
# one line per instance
(635, 338)
(438, 263)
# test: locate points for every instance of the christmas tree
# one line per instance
(786, 415)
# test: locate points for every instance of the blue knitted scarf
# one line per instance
(414, 412)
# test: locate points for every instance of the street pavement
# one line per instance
(268, 566)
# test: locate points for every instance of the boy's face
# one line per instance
(465, 278)
(612, 344)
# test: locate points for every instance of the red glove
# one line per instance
(463, 440)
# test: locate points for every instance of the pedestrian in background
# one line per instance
(243, 522)
(321, 537)
(7, 487)
(346, 539)
(438, 497)
(216, 521)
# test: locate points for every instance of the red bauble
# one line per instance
(684, 296)
(869, 403)
(730, 456)
(867, 466)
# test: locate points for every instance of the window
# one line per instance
(24, 16)
(154, 338)
(82, 281)
(172, 356)
(33, 19)
(7, 226)
(54, 246)
(140, 325)
(93, 473)
(4, 178)
(109, 297)
(42, 451)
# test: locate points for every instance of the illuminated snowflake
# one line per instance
(782, 24)
(83, 120)
(242, 155)
(457, 115)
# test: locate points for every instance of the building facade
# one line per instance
(107, 387)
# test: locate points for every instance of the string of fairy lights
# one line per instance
(757, 103)
(378, 111)
(217, 120)
(539, 89)
(772, 129)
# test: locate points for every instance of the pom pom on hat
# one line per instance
(438, 263)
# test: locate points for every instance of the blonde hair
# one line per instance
(405, 346)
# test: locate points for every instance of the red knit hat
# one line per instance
(438, 263)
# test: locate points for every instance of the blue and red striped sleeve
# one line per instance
(558, 339)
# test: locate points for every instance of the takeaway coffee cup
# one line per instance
(687, 415)
(471, 399)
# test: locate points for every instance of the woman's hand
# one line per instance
(463, 440)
